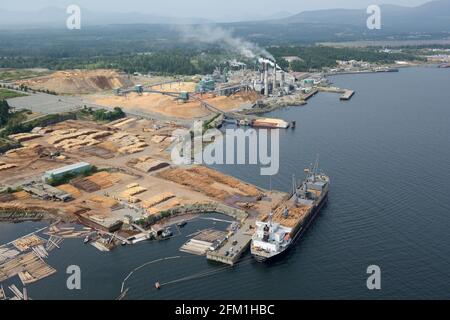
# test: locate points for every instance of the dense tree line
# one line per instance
(318, 57)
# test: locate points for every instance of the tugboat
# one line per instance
(167, 233)
(181, 224)
(281, 228)
(87, 239)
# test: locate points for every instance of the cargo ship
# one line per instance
(282, 227)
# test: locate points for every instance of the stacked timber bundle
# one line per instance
(21, 137)
(6, 166)
(105, 202)
(159, 198)
(24, 244)
(98, 181)
(85, 185)
(173, 203)
(31, 150)
(158, 139)
(21, 195)
(194, 181)
(70, 189)
(245, 188)
(150, 165)
(133, 191)
(122, 122)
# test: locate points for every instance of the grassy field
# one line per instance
(17, 74)
(8, 94)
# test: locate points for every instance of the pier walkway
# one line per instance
(241, 238)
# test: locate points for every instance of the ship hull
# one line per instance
(296, 233)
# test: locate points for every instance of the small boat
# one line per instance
(87, 240)
(182, 224)
(167, 233)
(157, 285)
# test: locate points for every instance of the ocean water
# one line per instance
(387, 154)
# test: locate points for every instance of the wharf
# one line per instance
(242, 238)
(347, 95)
(310, 94)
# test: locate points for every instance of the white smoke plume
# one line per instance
(217, 35)
(270, 62)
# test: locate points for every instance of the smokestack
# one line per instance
(274, 77)
(266, 79)
(262, 73)
(282, 80)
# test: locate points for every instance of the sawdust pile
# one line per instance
(169, 106)
(79, 81)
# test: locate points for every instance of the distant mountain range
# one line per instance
(55, 16)
(432, 16)
(320, 25)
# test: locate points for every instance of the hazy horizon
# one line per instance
(204, 9)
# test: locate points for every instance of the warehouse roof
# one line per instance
(68, 168)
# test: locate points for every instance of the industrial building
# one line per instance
(46, 192)
(207, 84)
(76, 168)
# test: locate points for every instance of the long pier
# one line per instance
(242, 238)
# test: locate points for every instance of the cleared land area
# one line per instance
(78, 81)
(168, 106)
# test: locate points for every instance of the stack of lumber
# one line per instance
(158, 139)
(150, 165)
(61, 135)
(6, 166)
(26, 243)
(27, 151)
(104, 202)
(98, 181)
(70, 189)
(21, 137)
(173, 203)
(21, 195)
(133, 148)
(102, 179)
(121, 122)
(133, 191)
(159, 198)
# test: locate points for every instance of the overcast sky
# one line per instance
(211, 9)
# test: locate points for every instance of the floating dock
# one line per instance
(347, 95)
